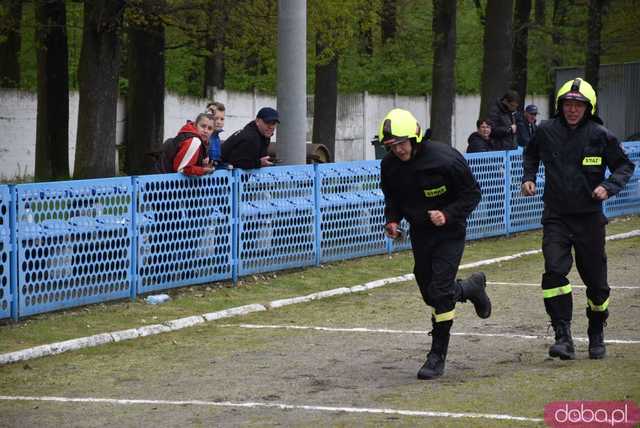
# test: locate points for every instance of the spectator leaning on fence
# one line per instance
(575, 149)
(481, 141)
(431, 185)
(192, 158)
(217, 110)
(526, 124)
(502, 114)
(248, 147)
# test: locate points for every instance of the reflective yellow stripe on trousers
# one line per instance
(445, 316)
(558, 291)
(598, 308)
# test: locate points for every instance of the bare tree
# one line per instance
(146, 75)
(521, 47)
(597, 10)
(496, 63)
(559, 22)
(324, 102)
(444, 81)
(52, 126)
(540, 18)
(10, 39)
(98, 80)
(214, 67)
(388, 20)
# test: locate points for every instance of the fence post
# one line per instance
(13, 253)
(317, 181)
(135, 238)
(235, 225)
(507, 191)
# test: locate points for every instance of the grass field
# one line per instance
(349, 359)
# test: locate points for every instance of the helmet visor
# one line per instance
(577, 96)
(392, 141)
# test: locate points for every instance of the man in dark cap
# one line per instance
(247, 148)
(527, 125)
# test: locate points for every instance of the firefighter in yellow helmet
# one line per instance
(431, 186)
(575, 149)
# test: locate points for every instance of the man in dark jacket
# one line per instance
(526, 124)
(575, 149)
(503, 117)
(431, 186)
(247, 148)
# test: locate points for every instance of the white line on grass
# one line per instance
(625, 235)
(178, 324)
(422, 332)
(529, 284)
(282, 406)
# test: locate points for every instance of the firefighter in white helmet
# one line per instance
(576, 150)
(431, 186)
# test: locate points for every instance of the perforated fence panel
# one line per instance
(79, 242)
(351, 210)
(73, 243)
(628, 200)
(525, 212)
(276, 221)
(488, 219)
(184, 229)
(6, 296)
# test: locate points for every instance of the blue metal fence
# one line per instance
(6, 292)
(276, 219)
(65, 244)
(351, 210)
(73, 243)
(184, 230)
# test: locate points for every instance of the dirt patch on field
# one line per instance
(225, 362)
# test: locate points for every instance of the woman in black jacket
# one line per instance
(480, 141)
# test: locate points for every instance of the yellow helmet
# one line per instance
(577, 89)
(399, 123)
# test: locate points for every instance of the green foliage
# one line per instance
(351, 30)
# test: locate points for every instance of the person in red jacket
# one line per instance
(192, 156)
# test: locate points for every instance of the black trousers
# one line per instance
(585, 233)
(437, 255)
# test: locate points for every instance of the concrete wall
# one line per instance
(358, 119)
(18, 111)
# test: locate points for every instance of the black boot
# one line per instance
(473, 288)
(563, 348)
(434, 366)
(597, 321)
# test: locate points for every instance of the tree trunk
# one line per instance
(496, 63)
(145, 97)
(214, 67)
(540, 13)
(388, 22)
(52, 124)
(597, 11)
(444, 80)
(98, 74)
(559, 20)
(325, 103)
(10, 44)
(521, 47)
